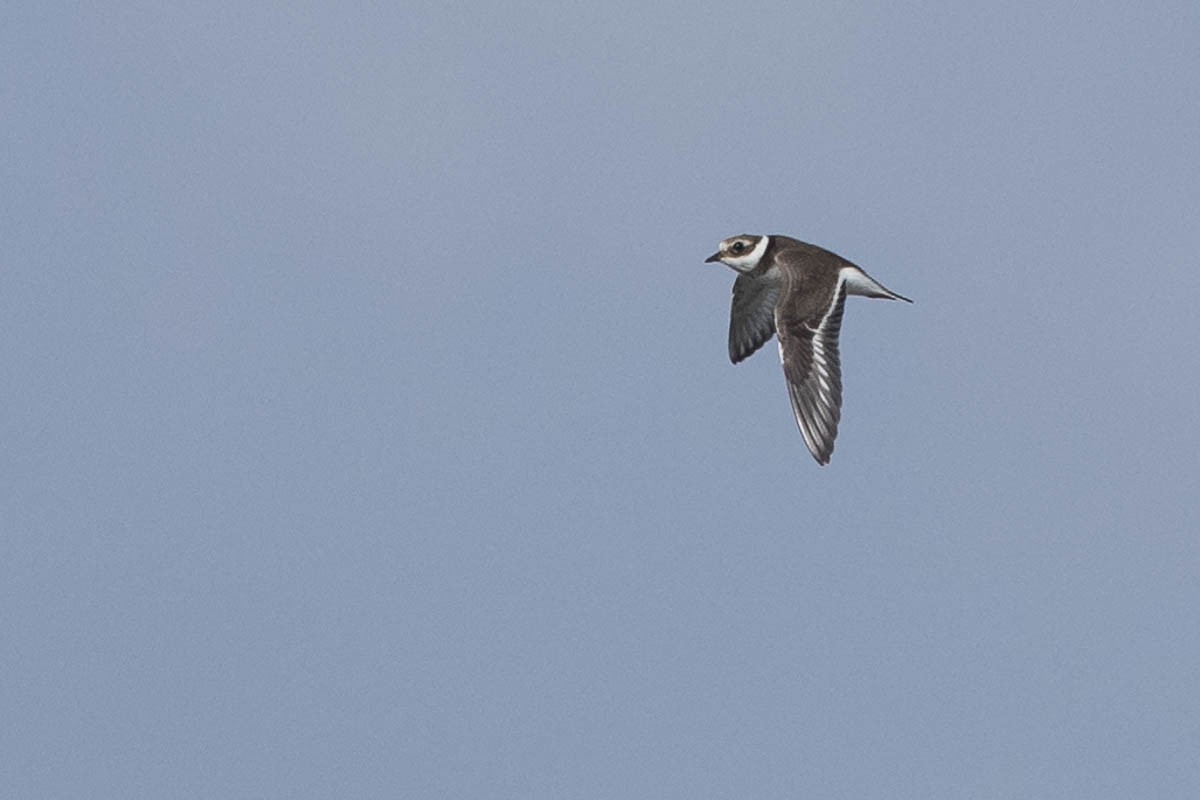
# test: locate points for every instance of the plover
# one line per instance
(798, 291)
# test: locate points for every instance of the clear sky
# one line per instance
(368, 428)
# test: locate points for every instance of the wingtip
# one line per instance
(821, 459)
(826, 456)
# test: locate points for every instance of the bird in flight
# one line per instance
(798, 291)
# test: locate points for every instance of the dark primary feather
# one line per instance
(752, 318)
(812, 366)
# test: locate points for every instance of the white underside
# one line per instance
(860, 283)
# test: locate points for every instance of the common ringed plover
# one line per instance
(796, 290)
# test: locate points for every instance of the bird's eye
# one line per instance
(738, 247)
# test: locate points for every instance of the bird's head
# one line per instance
(741, 253)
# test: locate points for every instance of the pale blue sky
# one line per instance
(369, 430)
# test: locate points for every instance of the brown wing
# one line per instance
(808, 347)
(752, 317)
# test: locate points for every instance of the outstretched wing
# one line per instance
(808, 347)
(752, 318)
